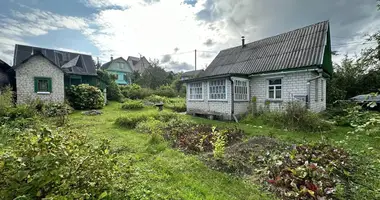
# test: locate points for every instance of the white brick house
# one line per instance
(39, 78)
(288, 67)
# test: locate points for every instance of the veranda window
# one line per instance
(217, 90)
(196, 92)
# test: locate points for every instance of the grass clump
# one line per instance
(132, 105)
(296, 117)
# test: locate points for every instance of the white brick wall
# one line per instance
(38, 66)
(210, 106)
(293, 84)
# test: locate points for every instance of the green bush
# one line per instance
(85, 96)
(45, 164)
(134, 91)
(165, 91)
(155, 99)
(131, 121)
(296, 117)
(6, 100)
(132, 105)
(56, 109)
(113, 90)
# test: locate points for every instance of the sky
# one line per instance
(170, 30)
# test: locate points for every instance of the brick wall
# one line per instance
(293, 84)
(210, 106)
(38, 66)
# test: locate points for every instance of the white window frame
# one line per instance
(235, 92)
(201, 88)
(275, 88)
(209, 94)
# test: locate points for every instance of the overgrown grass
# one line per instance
(159, 172)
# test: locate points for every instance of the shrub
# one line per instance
(56, 109)
(85, 96)
(132, 105)
(45, 164)
(134, 91)
(165, 91)
(113, 90)
(6, 100)
(155, 99)
(131, 121)
(296, 117)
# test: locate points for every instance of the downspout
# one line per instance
(320, 71)
(232, 100)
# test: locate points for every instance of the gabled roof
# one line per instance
(84, 65)
(193, 73)
(108, 64)
(133, 60)
(295, 49)
(33, 55)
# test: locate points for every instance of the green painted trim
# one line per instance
(50, 84)
(327, 62)
(289, 69)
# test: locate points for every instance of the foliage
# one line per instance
(165, 91)
(85, 96)
(113, 90)
(131, 121)
(308, 171)
(296, 117)
(175, 104)
(134, 91)
(56, 109)
(132, 105)
(6, 100)
(189, 137)
(154, 76)
(56, 165)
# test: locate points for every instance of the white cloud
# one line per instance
(34, 22)
(154, 30)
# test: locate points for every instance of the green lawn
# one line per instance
(160, 172)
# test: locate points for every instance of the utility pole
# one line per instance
(195, 59)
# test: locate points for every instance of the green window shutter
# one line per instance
(50, 85)
(35, 85)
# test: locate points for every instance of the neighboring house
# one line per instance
(138, 64)
(43, 73)
(292, 66)
(7, 75)
(191, 74)
(121, 69)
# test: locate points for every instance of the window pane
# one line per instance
(43, 85)
(271, 94)
(275, 82)
(278, 94)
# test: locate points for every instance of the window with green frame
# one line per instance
(42, 84)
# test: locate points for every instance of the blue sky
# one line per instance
(170, 30)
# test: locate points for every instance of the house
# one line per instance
(191, 74)
(44, 73)
(121, 69)
(7, 75)
(292, 66)
(138, 64)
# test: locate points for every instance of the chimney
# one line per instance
(111, 58)
(242, 41)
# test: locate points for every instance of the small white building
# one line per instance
(271, 72)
